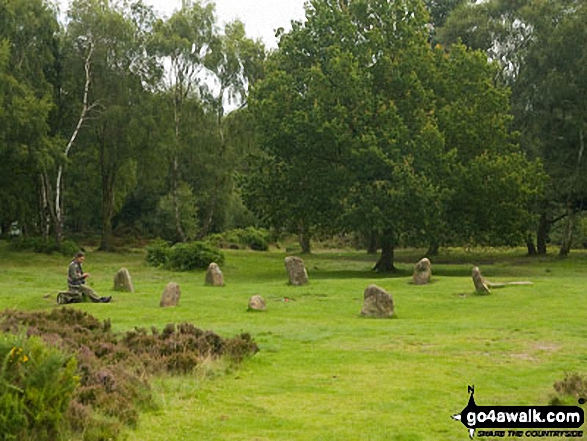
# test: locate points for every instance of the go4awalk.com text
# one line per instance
(530, 433)
(521, 421)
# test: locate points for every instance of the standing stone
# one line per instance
(214, 276)
(122, 281)
(296, 271)
(481, 285)
(422, 272)
(170, 296)
(377, 303)
(257, 303)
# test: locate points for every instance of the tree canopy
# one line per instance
(539, 46)
(119, 121)
(364, 127)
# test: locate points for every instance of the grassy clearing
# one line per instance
(325, 373)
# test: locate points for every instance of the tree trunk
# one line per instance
(49, 213)
(175, 196)
(372, 247)
(56, 211)
(304, 237)
(177, 104)
(433, 248)
(211, 211)
(107, 210)
(108, 179)
(218, 180)
(4, 229)
(530, 245)
(385, 262)
(542, 234)
(565, 248)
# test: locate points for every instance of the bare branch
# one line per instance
(85, 109)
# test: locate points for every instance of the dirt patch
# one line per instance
(546, 346)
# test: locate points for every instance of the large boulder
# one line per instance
(214, 276)
(481, 286)
(257, 303)
(377, 303)
(422, 272)
(122, 281)
(296, 271)
(170, 296)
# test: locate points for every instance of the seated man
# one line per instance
(76, 280)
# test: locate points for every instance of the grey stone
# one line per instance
(214, 275)
(257, 303)
(170, 296)
(422, 272)
(296, 271)
(377, 303)
(481, 285)
(122, 281)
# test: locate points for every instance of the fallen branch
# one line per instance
(483, 286)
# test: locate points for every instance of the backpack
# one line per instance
(66, 297)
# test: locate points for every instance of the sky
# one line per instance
(260, 17)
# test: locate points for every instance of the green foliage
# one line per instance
(68, 247)
(189, 256)
(111, 371)
(557, 233)
(109, 392)
(183, 256)
(165, 214)
(572, 387)
(43, 245)
(374, 131)
(538, 46)
(158, 253)
(256, 239)
(36, 385)
(28, 51)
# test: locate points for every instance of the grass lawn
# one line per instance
(325, 373)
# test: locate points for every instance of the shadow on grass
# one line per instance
(451, 272)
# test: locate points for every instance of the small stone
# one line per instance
(122, 281)
(377, 303)
(422, 272)
(296, 271)
(214, 276)
(170, 296)
(257, 303)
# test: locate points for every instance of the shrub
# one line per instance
(255, 239)
(251, 237)
(180, 349)
(110, 389)
(22, 243)
(239, 347)
(569, 389)
(36, 386)
(42, 245)
(189, 256)
(158, 253)
(216, 240)
(68, 248)
(111, 371)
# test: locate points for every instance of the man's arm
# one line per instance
(74, 275)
